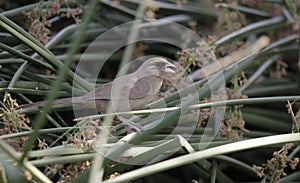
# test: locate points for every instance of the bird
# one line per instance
(125, 93)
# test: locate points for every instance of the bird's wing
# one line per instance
(104, 92)
(128, 86)
(145, 87)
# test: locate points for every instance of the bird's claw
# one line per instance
(133, 125)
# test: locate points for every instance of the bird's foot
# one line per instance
(133, 125)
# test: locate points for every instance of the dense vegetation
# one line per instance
(232, 116)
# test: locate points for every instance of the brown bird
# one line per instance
(129, 92)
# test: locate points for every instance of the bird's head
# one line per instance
(156, 66)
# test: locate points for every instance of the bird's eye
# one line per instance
(159, 65)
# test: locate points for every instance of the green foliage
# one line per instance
(257, 46)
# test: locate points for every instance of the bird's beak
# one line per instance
(170, 68)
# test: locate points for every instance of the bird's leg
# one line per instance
(133, 125)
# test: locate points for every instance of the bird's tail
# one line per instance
(58, 102)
